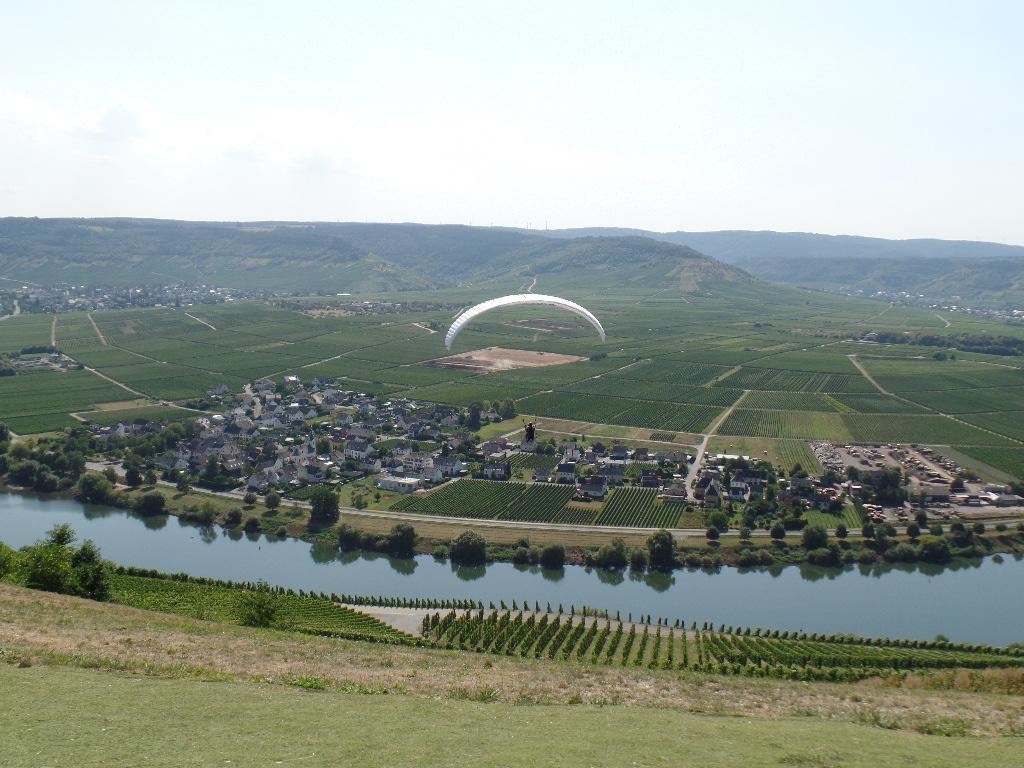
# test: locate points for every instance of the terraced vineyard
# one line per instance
(314, 614)
(740, 651)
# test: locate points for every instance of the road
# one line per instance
(864, 372)
(691, 472)
(53, 332)
(14, 313)
(99, 335)
(200, 320)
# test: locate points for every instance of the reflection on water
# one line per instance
(967, 600)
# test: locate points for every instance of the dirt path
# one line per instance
(943, 319)
(53, 332)
(125, 387)
(99, 335)
(199, 320)
(14, 313)
(691, 472)
(864, 372)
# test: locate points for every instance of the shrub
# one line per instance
(252, 524)
(249, 499)
(814, 537)
(638, 559)
(151, 504)
(94, 489)
(402, 540)
(272, 500)
(934, 550)
(348, 537)
(712, 533)
(824, 556)
(183, 484)
(913, 530)
(978, 527)
(133, 477)
(469, 548)
(660, 549)
(842, 531)
(552, 556)
(778, 532)
(233, 518)
(257, 607)
(521, 555)
(718, 520)
(745, 533)
(903, 553)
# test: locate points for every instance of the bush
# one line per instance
(934, 550)
(814, 537)
(521, 555)
(824, 556)
(402, 540)
(133, 477)
(913, 530)
(151, 504)
(233, 518)
(95, 489)
(252, 524)
(718, 520)
(272, 500)
(842, 531)
(638, 559)
(903, 553)
(349, 538)
(712, 533)
(249, 499)
(469, 548)
(778, 532)
(552, 556)
(978, 527)
(612, 555)
(257, 607)
(660, 549)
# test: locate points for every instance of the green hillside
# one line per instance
(338, 257)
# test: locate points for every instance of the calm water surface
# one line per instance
(975, 601)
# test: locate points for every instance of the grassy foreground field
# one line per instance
(265, 725)
(132, 687)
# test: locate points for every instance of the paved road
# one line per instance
(694, 468)
(14, 313)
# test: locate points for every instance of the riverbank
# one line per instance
(292, 519)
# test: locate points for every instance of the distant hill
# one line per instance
(342, 257)
(963, 271)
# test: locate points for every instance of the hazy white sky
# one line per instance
(897, 119)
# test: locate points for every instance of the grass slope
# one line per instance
(188, 723)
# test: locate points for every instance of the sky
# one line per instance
(893, 119)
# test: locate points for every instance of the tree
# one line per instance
(90, 572)
(712, 533)
(94, 489)
(183, 484)
(660, 549)
(841, 531)
(473, 417)
(272, 500)
(402, 540)
(638, 559)
(324, 503)
(469, 548)
(5, 433)
(111, 474)
(151, 504)
(814, 537)
(778, 532)
(62, 535)
(133, 476)
(249, 499)
(150, 477)
(913, 530)
(323, 446)
(258, 607)
(552, 556)
(718, 520)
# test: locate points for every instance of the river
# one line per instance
(971, 601)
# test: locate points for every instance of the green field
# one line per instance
(257, 724)
(486, 499)
(39, 401)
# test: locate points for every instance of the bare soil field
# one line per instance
(501, 359)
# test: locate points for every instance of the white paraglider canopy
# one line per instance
(519, 298)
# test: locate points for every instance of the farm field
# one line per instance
(40, 401)
(782, 453)
(1007, 460)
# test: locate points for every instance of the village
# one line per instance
(294, 435)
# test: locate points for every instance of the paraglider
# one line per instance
(520, 298)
